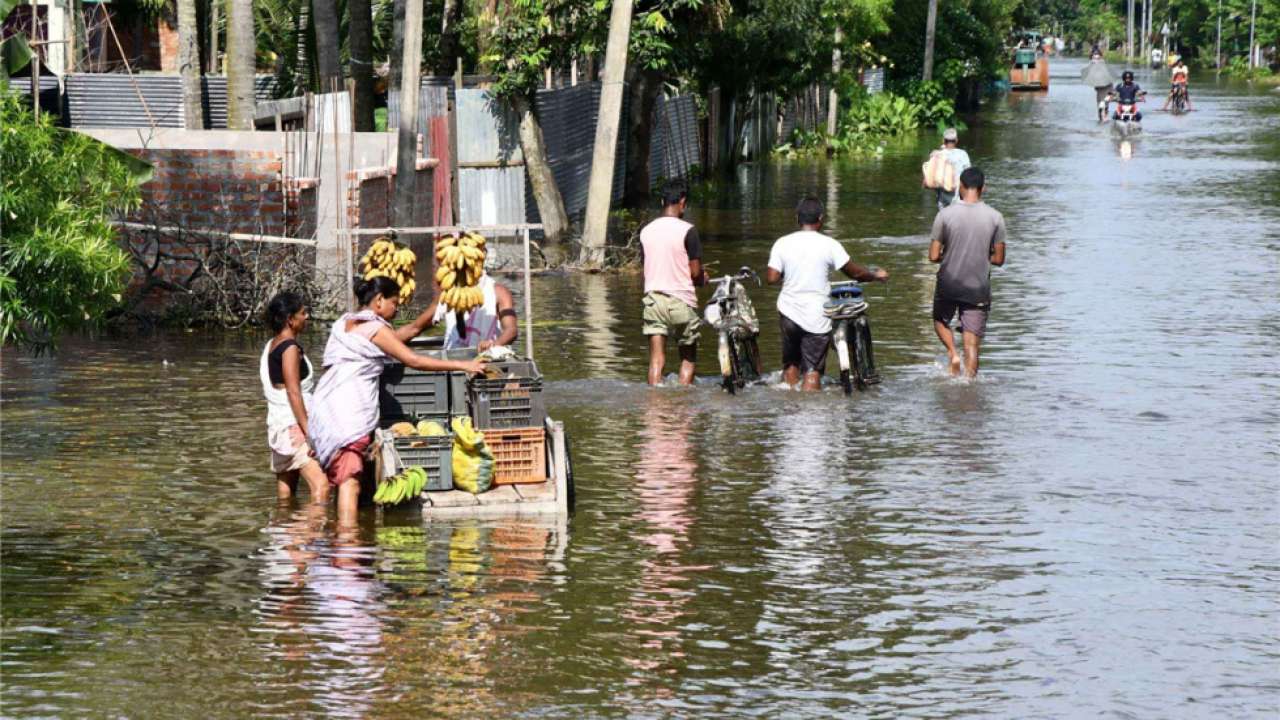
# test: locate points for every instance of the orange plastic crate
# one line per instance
(520, 455)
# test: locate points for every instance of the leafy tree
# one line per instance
(60, 265)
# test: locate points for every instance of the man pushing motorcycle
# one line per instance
(802, 262)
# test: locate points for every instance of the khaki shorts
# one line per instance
(668, 316)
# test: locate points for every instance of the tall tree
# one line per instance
(526, 38)
(450, 37)
(360, 25)
(930, 28)
(328, 45)
(241, 46)
(189, 64)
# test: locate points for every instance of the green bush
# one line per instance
(60, 265)
(1239, 68)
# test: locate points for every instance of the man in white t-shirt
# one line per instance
(802, 262)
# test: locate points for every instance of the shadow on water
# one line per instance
(1089, 528)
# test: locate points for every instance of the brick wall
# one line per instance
(372, 196)
(237, 191)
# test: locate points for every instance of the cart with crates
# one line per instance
(531, 465)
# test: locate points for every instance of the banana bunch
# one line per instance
(461, 264)
(388, 259)
(407, 484)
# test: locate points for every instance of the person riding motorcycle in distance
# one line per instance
(1127, 92)
(1178, 78)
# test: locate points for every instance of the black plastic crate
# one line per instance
(431, 453)
(408, 393)
(512, 400)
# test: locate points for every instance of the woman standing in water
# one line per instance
(345, 408)
(287, 380)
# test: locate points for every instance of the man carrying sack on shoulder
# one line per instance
(942, 169)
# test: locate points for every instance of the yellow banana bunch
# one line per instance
(386, 258)
(461, 265)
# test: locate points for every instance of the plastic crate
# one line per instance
(513, 400)
(431, 453)
(519, 455)
(405, 393)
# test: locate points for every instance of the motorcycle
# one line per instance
(730, 312)
(1125, 120)
(851, 335)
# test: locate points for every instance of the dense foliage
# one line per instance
(60, 264)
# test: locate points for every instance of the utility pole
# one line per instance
(833, 100)
(407, 140)
(1253, 19)
(1217, 51)
(1128, 37)
(600, 189)
(930, 24)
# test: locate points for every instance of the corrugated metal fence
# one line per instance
(491, 182)
(112, 99)
(568, 117)
(675, 148)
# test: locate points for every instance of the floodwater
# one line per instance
(1090, 529)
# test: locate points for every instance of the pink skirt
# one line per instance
(348, 462)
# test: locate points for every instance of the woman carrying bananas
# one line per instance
(344, 409)
(491, 322)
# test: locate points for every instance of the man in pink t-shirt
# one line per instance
(672, 255)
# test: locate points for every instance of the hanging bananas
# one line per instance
(386, 258)
(460, 263)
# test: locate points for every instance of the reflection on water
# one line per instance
(1090, 529)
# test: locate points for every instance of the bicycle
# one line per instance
(733, 316)
(851, 335)
(1179, 99)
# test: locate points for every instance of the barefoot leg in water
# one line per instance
(348, 502)
(949, 342)
(971, 343)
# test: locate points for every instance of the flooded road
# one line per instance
(1089, 529)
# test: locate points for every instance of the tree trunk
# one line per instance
(240, 65)
(644, 86)
(189, 64)
(450, 30)
(595, 224)
(360, 23)
(555, 219)
(930, 27)
(327, 41)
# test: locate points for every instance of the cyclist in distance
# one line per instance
(1178, 80)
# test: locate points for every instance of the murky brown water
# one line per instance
(1091, 529)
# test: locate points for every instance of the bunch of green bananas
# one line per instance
(388, 259)
(408, 484)
(461, 264)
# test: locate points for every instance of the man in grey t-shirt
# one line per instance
(968, 238)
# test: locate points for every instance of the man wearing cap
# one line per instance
(959, 160)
